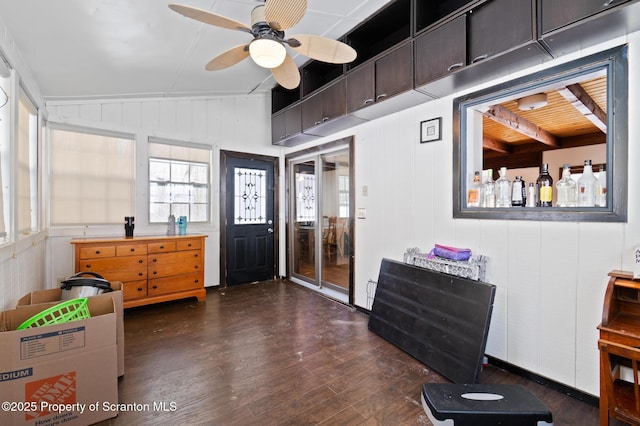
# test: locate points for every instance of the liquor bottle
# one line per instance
(473, 194)
(489, 189)
(545, 187)
(601, 187)
(503, 189)
(518, 193)
(587, 186)
(566, 189)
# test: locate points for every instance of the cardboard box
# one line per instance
(61, 374)
(55, 295)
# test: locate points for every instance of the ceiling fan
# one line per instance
(267, 49)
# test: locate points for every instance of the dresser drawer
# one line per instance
(97, 252)
(178, 257)
(162, 247)
(174, 268)
(126, 275)
(190, 244)
(131, 249)
(113, 264)
(134, 290)
(174, 284)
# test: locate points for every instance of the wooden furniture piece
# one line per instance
(152, 269)
(622, 397)
(620, 326)
(441, 320)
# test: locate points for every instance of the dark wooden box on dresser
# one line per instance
(152, 269)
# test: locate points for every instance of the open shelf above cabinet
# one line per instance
(382, 31)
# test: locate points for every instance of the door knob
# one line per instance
(270, 230)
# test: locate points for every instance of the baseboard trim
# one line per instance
(551, 384)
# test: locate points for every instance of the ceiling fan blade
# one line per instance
(228, 58)
(323, 49)
(208, 17)
(284, 14)
(287, 74)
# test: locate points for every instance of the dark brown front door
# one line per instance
(248, 218)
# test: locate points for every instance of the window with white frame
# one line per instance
(27, 188)
(92, 177)
(178, 181)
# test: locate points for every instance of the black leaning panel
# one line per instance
(439, 319)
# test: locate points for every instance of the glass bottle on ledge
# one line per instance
(587, 186)
(566, 189)
(518, 192)
(601, 187)
(503, 189)
(475, 190)
(545, 187)
(489, 189)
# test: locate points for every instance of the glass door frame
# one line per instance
(315, 154)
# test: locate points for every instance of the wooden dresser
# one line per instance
(152, 269)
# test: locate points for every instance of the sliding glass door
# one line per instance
(320, 226)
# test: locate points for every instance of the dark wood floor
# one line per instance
(276, 353)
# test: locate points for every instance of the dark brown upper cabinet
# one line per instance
(441, 52)
(286, 125)
(490, 40)
(567, 26)
(325, 106)
(373, 90)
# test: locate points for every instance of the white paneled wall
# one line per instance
(235, 123)
(550, 276)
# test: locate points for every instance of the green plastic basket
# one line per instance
(70, 310)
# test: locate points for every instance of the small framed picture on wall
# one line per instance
(430, 130)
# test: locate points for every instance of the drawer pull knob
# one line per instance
(155, 260)
(140, 261)
(155, 287)
(97, 251)
(132, 250)
(139, 288)
(161, 247)
(189, 244)
(88, 265)
(196, 281)
(155, 272)
(196, 266)
(140, 274)
(195, 255)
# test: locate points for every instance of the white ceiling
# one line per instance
(85, 49)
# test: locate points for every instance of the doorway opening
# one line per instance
(320, 226)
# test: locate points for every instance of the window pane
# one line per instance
(198, 212)
(180, 172)
(199, 174)
(27, 187)
(250, 193)
(159, 171)
(5, 120)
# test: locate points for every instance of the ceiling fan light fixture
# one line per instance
(531, 102)
(267, 53)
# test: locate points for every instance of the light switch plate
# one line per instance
(362, 213)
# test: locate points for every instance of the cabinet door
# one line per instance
(361, 87)
(556, 14)
(441, 51)
(311, 110)
(293, 121)
(394, 72)
(278, 127)
(498, 26)
(334, 101)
